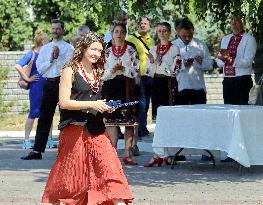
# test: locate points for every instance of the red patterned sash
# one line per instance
(229, 69)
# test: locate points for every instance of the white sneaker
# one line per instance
(27, 144)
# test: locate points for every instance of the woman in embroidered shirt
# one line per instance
(161, 66)
(87, 169)
(121, 71)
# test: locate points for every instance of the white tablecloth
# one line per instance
(237, 130)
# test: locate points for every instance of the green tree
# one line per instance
(221, 10)
(14, 24)
(96, 14)
(211, 17)
(46, 10)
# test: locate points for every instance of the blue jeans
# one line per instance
(144, 102)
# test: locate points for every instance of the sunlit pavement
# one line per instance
(191, 182)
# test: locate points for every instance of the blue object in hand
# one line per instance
(115, 103)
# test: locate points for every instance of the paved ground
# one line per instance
(191, 182)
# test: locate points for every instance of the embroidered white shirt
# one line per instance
(246, 52)
(51, 70)
(167, 66)
(192, 77)
(129, 60)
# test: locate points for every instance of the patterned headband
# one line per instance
(90, 38)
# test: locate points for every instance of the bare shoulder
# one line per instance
(66, 72)
(67, 69)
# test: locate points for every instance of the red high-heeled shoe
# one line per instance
(167, 160)
(129, 161)
(157, 161)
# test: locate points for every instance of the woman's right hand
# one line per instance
(118, 67)
(223, 55)
(100, 106)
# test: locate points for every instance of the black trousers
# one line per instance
(162, 95)
(236, 90)
(191, 97)
(47, 110)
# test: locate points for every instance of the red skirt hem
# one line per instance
(87, 171)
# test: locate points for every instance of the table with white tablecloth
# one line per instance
(234, 129)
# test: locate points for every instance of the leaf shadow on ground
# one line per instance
(193, 171)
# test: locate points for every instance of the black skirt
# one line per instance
(124, 89)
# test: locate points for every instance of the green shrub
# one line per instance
(3, 75)
(25, 107)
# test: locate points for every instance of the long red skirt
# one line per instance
(87, 171)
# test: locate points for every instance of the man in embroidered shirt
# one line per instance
(52, 57)
(196, 59)
(236, 57)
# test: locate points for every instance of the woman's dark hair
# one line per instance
(120, 25)
(82, 44)
(166, 24)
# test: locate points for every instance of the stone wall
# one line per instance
(214, 88)
(19, 97)
(12, 94)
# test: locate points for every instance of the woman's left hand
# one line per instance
(100, 106)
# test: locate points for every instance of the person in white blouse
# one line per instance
(52, 57)
(237, 52)
(196, 59)
(161, 65)
(120, 78)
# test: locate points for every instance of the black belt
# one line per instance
(145, 76)
(237, 77)
(53, 79)
(157, 75)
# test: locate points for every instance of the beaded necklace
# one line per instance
(120, 51)
(161, 51)
(93, 83)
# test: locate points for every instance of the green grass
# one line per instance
(16, 122)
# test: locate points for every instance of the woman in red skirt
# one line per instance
(87, 169)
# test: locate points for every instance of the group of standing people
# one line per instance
(87, 169)
(236, 55)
